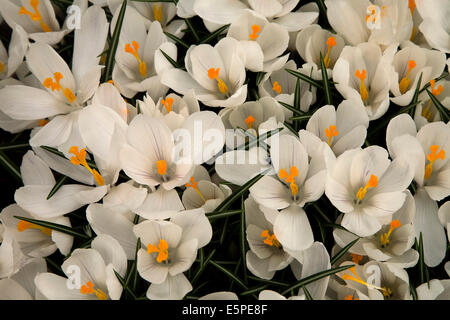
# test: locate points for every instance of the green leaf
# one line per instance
(172, 62)
(214, 34)
(228, 274)
(427, 85)
(301, 118)
(202, 267)
(259, 77)
(235, 195)
(191, 27)
(305, 78)
(110, 58)
(10, 166)
(291, 108)
(122, 282)
(254, 290)
(132, 274)
(315, 277)
(290, 128)
(297, 95)
(326, 83)
(54, 226)
(57, 186)
(272, 282)
(341, 252)
(14, 146)
(422, 266)
(443, 112)
(218, 215)
(177, 40)
(415, 96)
(413, 292)
(307, 294)
(243, 239)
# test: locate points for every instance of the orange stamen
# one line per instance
(255, 30)
(193, 184)
(135, 52)
(79, 158)
(214, 74)
(168, 104)
(384, 239)
(432, 157)
(330, 133)
(25, 225)
(276, 87)
(289, 178)
(36, 15)
(331, 42)
(270, 240)
(162, 249)
(55, 85)
(405, 82)
(249, 121)
(362, 75)
(372, 183)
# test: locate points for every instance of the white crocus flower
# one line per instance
(273, 295)
(216, 74)
(342, 129)
(434, 290)
(37, 17)
(392, 244)
(435, 25)
(39, 181)
(220, 295)
(362, 75)
(204, 194)
(426, 111)
(139, 62)
(21, 285)
(408, 64)
(65, 91)
(169, 249)
(12, 257)
(95, 267)
(172, 109)
(313, 41)
(380, 21)
(263, 42)
(35, 240)
(11, 60)
(266, 254)
(367, 187)
(377, 281)
(444, 218)
(313, 260)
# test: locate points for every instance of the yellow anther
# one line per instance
(214, 74)
(162, 249)
(330, 133)
(405, 82)
(362, 75)
(384, 239)
(276, 87)
(55, 85)
(432, 157)
(89, 288)
(426, 112)
(79, 158)
(194, 185)
(255, 30)
(249, 121)
(412, 6)
(2, 67)
(351, 297)
(331, 42)
(290, 178)
(372, 183)
(25, 225)
(157, 12)
(135, 52)
(36, 15)
(356, 258)
(386, 291)
(270, 240)
(43, 122)
(161, 167)
(168, 104)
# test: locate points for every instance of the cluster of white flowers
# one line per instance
(167, 137)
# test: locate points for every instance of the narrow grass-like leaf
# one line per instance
(291, 108)
(228, 274)
(54, 226)
(110, 58)
(243, 239)
(202, 267)
(57, 186)
(272, 282)
(443, 112)
(416, 95)
(326, 83)
(422, 266)
(214, 34)
(122, 282)
(297, 95)
(10, 166)
(290, 128)
(315, 277)
(307, 294)
(427, 85)
(177, 40)
(254, 290)
(259, 77)
(343, 251)
(14, 146)
(172, 62)
(305, 78)
(301, 118)
(218, 215)
(192, 28)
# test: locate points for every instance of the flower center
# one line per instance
(194, 184)
(384, 239)
(270, 240)
(330, 133)
(331, 42)
(351, 297)
(89, 288)
(25, 225)
(362, 75)
(276, 87)
(356, 258)
(161, 167)
(162, 249)
(135, 52)
(214, 74)
(426, 112)
(249, 121)
(405, 82)
(432, 157)
(168, 104)
(255, 30)
(387, 292)
(55, 85)
(157, 12)
(36, 15)
(289, 178)
(372, 183)
(80, 159)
